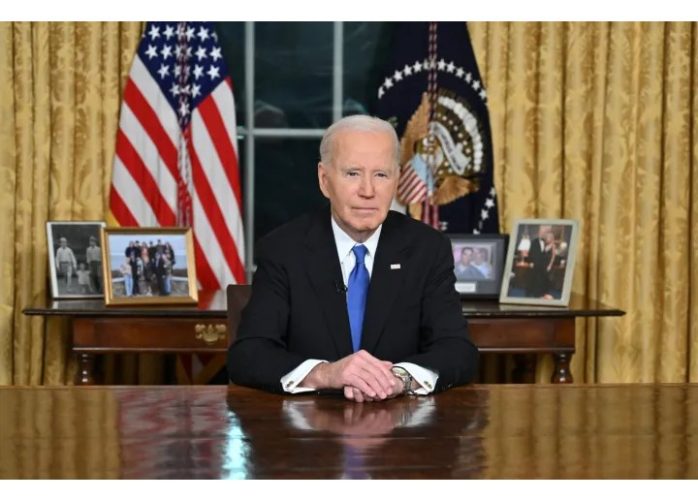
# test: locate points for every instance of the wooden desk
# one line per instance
(494, 327)
(499, 431)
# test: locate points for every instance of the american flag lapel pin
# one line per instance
(394, 266)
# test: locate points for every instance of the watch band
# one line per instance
(405, 377)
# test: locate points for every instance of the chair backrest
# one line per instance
(238, 296)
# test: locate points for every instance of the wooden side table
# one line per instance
(494, 328)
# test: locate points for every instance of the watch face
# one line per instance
(404, 376)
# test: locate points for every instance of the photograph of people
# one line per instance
(539, 269)
(75, 259)
(465, 269)
(147, 265)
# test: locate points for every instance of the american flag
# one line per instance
(412, 186)
(176, 160)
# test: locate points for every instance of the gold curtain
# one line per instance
(592, 121)
(597, 122)
(60, 92)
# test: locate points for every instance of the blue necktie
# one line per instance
(356, 295)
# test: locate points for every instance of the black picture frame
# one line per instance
(478, 264)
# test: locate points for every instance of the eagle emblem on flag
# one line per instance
(444, 153)
(432, 92)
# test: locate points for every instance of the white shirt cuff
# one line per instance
(291, 380)
(425, 378)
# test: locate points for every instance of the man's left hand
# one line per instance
(354, 394)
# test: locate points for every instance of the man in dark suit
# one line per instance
(538, 283)
(354, 297)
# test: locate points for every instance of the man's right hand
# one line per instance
(361, 370)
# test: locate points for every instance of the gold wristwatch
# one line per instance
(406, 379)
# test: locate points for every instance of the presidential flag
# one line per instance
(433, 94)
(176, 160)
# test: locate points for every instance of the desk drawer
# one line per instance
(522, 334)
(149, 335)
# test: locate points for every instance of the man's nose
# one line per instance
(366, 188)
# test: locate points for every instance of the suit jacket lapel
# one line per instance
(385, 282)
(322, 266)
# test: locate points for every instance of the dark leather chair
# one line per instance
(238, 296)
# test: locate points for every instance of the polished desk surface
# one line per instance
(213, 305)
(537, 431)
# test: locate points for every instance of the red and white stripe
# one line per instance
(146, 174)
(411, 188)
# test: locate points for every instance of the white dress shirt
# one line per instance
(291, 381)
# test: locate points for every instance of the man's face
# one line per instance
(361, 181)
(465, 256)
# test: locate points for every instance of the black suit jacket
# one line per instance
(298, 311)
(538, 283)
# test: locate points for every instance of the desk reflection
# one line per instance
(329, 437)
(361, 429)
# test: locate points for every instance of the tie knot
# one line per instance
(359, 252)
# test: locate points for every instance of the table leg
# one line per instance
(561, 370)
(524, 369)
(86, 369)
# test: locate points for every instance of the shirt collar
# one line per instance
(345, 243)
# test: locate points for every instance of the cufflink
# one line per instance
(427, 385)
(289, 384)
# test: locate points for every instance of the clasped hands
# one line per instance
(361, 376)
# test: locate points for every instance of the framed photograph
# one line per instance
(540, 262)
(148, 266)
(478, 263)
(75, 259)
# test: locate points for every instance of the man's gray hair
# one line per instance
(363, 123)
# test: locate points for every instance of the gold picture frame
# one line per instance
(148, 266)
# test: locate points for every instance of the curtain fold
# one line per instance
(591, 121)
(60, 93)
(7, 202)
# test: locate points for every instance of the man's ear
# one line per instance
(322, 179)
